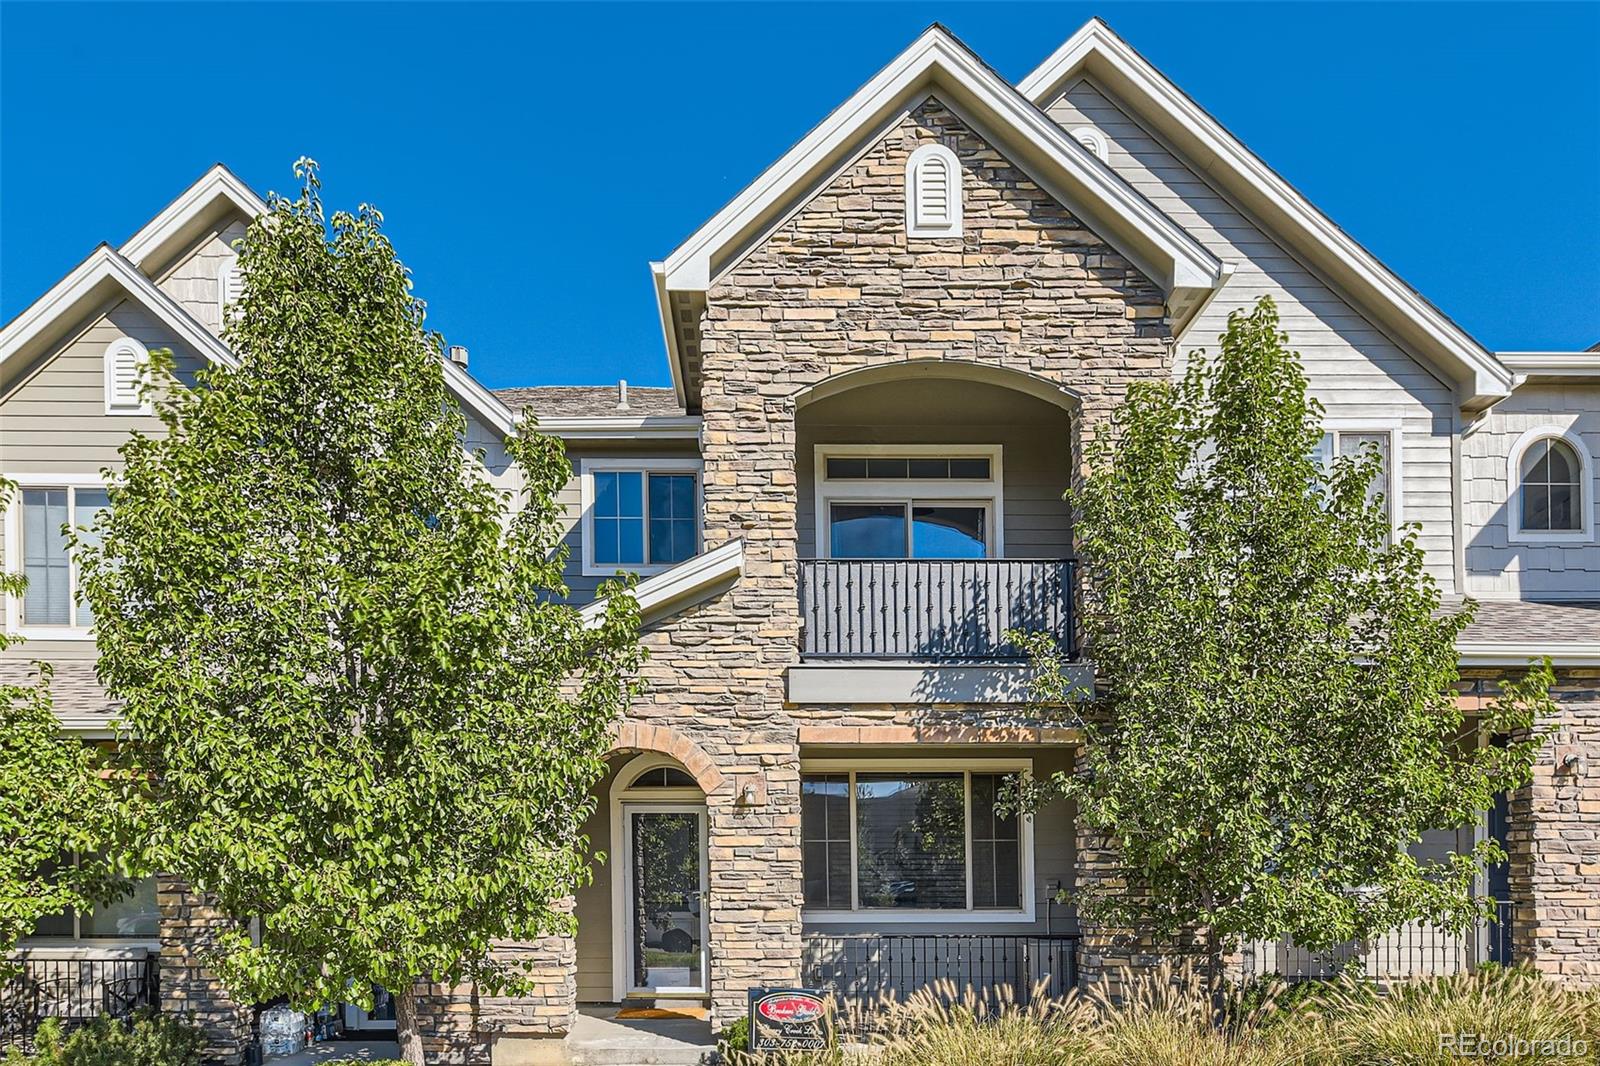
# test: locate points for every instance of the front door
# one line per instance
(380, 1017)
(665, 892)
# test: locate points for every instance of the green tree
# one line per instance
(1276, 719)
(54, 806)
(361, 712)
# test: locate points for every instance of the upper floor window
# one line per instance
(1550, 487)
(127, 363)
(909, 501)
(52, 600)
(640, 515)
(933, 193)
(1350, 442)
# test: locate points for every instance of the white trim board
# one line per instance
(1096, 50)
(671, 587)
(217, 193)
(1569, 436)
(990, 492)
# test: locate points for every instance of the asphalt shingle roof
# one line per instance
(590, 401)
(1522, 622)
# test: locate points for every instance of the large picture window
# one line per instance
(909, 502)
(641, 516)
(130, 917)
(53, 598)
(911, 841)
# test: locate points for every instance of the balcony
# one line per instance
(929, 610)
(73, 991)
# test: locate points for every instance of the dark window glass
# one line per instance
(664, 777)
(911, 841)
(887, 468)
(846, 469)
(930, 468)
(940, 532)
(672, 518)
(996, 845)
(969, 469)
(868, 530)
(825, 839)
(1552, 489)
(48, 598)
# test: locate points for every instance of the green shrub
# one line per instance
(151, 1040)
(736, 1037)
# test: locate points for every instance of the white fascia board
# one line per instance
(938, 64)
(682, 581)
(669, 331)
(196, 207)
(88, 287)
(1096, 50)
(608, 427)
(1553, 364)
(1485, 653)
(485, 404)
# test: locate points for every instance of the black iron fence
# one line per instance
(932, 609)
(1416, 949)
(76, 991)
(864, 970)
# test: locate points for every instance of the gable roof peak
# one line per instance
(211, 198)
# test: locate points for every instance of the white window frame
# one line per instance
(1395, 494)
(77, 944)
(141, 360)
(915, 225)
(889, 915)
(990, 493)
(587, 468)
(13, 551)
(1567, 435)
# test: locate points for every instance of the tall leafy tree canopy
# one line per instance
(359, 711)
(1277, 718)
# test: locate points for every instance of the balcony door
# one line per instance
(908, 501)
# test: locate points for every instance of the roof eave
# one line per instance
(217, 194)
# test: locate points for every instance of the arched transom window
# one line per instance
(1552, 487)
(933, 193)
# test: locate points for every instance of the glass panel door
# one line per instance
(666, 898)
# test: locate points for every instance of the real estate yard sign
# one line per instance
(790, 1019)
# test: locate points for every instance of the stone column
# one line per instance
(189, 928)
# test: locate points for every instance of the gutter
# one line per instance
(1517, 653)
(612, 427)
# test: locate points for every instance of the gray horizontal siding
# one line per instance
(1352, 367)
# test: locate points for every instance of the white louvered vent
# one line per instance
(230, 286)
(1093, 140)
(127, 362)
(933, 193)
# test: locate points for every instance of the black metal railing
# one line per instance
(932, 609)
(76, 991)
(1415, 949)
(863, 970)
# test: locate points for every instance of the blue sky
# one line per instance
(532, 158)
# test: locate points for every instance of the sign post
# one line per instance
(790, 1019)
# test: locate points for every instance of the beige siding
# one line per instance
(1497, 566)
(1353, 368)
(192, 280)
(593, 902)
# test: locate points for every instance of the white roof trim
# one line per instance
(1095, 49)
(611, 427)
(180, 220)
(485, 404)
(669, 332)
(656, 594)
(1490, 653)
(87, 288)
(1553, 364)
(936, 61)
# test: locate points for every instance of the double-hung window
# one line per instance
(38, 547)
(904, 841)
(1350, 440)
(639, 515)
(909, 502)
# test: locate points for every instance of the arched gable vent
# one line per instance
(126, 364)
(933, 193)
(230, 286)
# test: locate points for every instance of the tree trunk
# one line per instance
(406, 1032)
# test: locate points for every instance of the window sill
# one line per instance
(53, 633)
(888, 916)
(1550, 537)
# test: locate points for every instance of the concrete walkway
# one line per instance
(337, 1050)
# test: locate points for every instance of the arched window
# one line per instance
(126, 365)
(933, 193)
(1551, 481)
(1552, 487)
(663, 777)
